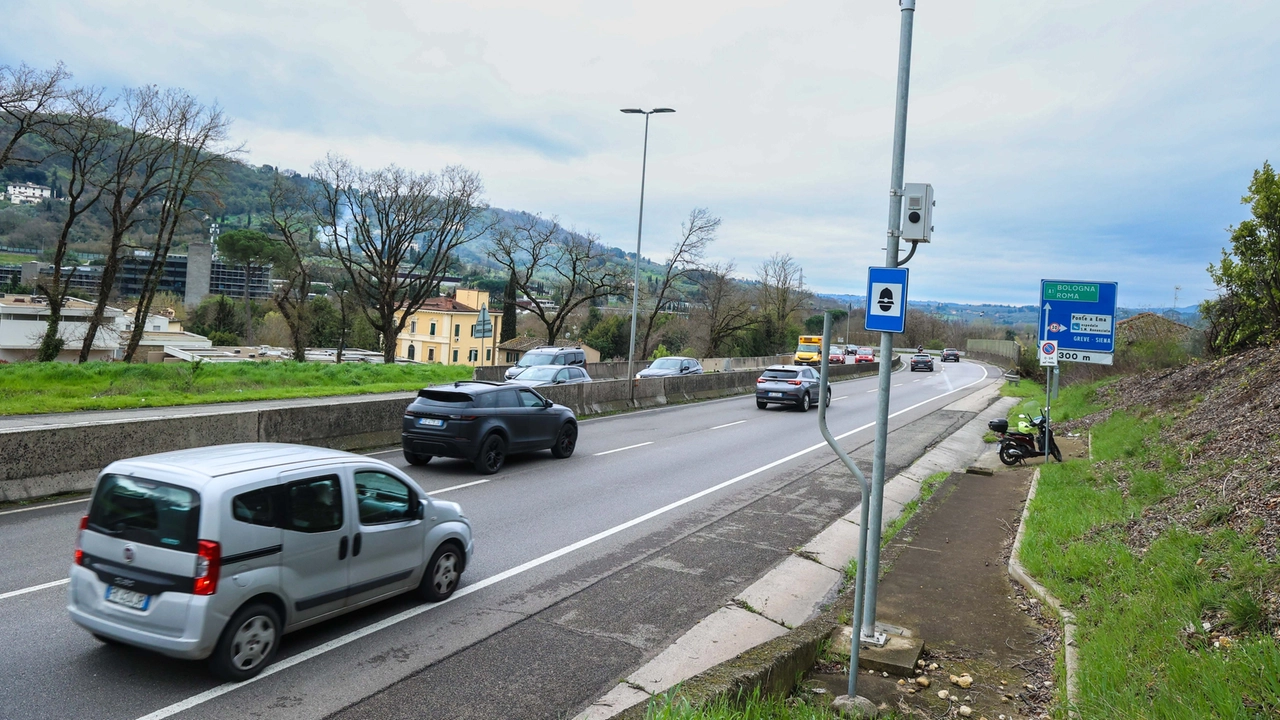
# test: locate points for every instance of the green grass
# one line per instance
(1073, 401)
(801, 706)
(16, 258)
(1143, 651)
(62, 387)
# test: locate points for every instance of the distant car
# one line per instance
(921, 362)
(864, 355)
(951, 355)
(551, 375)
(837, 355)
(795, 385)
(670, 367)
(483, 422)
(547, 355)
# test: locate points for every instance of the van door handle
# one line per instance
(355, 546)
(342, 548)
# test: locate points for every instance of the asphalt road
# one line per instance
(584, 569)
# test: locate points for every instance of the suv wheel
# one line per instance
(444, 571)
(248, 643)
(416, 459)
(493, 452)
(566, 441)
(805, 402)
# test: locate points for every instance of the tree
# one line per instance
(291, 218)
(1247, 312)
(395, 233)
(781, 293)
(28, 98)
(509, 309)
(725, 309)
(575, 267)
(687, 256)
(248, 248)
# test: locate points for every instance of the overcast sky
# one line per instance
(1066, 139)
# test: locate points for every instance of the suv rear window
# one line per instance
(146, 511)
(444, 398)
(779, 374)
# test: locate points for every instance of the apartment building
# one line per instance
(443, 331)
(23, 319)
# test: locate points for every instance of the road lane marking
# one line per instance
(46, 505)
(220, 690)
(458, 487)
(728, 425)
(629, 447)
(875, 390)
(33, 588)
(898, 384)
(917, 380)
(841, 397)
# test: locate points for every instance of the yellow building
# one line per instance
(442, 331)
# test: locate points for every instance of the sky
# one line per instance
(1078, 140)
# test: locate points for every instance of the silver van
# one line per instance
(216, 552)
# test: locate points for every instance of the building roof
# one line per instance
(39, 302)
(446, 304)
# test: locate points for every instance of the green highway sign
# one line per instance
(1079, 292)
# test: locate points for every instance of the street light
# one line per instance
(635, 288)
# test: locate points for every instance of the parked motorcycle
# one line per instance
(1017, 446)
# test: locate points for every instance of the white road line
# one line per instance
(841, 397)
(899, 384)
(728, 425)
(458, 487)
(351, 637)
(41, 507)
(629, 447)
(33, 588)
(875, 390)
(915, 380)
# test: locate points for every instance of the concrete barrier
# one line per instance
(618, 370)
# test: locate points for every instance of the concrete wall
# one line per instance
(1005, 350)
(618, 370)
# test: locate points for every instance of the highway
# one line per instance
(584, 568)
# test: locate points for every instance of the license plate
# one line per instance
(127, 598)
(775, 394)
(430, 422)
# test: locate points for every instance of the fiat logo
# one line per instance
(129, 552)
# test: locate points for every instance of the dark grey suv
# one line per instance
(483, 422)
(795, 385)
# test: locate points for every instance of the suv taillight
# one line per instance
(84, 523)
(208, 563)
(793, 382)
(760, 380)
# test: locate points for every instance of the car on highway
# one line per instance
(950, 355)
(671, 366)
(551, 375)
(836, 355)
(483, 422)
(864, 355)
(795, 385)
(921, 361)
(547, 355)
(217, 552)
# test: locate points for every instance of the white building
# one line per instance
(28, 193)
(23, 319)
(163, 339)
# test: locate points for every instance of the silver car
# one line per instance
(541, 375)
(217, 552)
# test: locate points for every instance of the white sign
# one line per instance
(1096, 358)
(1090, 323)
(886, 299)
(1048, 353)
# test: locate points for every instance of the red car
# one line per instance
(837, 355)
(864, 355)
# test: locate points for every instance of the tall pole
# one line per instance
(869, 632)
(635, 287)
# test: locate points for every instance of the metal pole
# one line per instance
(1048, 385)
(860, 578)
(886, 339)
(635, 288)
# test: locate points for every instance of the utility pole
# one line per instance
(870, 634)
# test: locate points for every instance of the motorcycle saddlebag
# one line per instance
(999, 426)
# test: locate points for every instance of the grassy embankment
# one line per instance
(1142, 590)
(63, 387)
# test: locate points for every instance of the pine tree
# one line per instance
(509, 310)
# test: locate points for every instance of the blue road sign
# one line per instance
(1078, 315)
(886, 299)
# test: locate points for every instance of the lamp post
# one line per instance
(635, 287)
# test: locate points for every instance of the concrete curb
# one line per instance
(719, 658)
(1019, 573)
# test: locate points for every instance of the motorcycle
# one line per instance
(1017, 446)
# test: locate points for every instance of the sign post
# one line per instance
(484, 330)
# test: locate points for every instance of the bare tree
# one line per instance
(687, 256)
(725, 308)
(28, 99)
(538, 252)
(780, 295)
(293, 221)
(194, 158)
(82, 136)
(395, 233)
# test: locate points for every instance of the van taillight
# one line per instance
(208, 563)
(84, 523)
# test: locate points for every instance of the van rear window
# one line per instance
(146, 511)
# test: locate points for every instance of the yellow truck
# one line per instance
(809, 351)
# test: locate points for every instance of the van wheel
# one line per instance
(415, 458)
(566, 441)
(442, 574)
(248, 643)
(493, 452)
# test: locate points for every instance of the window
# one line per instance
(433, 327)
(487, 400)
(508, 398)
(511, 357)
(431, 354)
(413, 327)
(560, 360)
(530, 399)
(257, 507)
(457, 330)
(473, 331)
(473, 355)
(488, 354)
(383, 499)
(562, 375)
(410, 353)
(314, 505)
(455, 356)
(146, 511)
